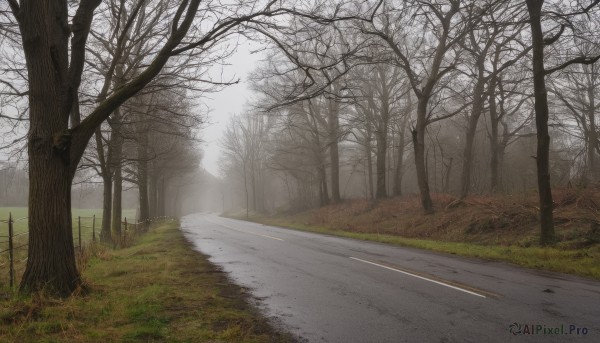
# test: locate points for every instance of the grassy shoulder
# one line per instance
(502, 228)
(158, 290)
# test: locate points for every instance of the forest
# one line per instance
(353, 99)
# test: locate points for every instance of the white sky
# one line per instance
(227, 102)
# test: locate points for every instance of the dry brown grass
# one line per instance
(501, 228)
(499, 220)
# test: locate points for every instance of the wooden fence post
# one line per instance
(94, 228)
(79, 233)
(10, 250)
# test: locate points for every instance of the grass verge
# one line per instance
(581, 262)
(20, 217)
(158, 290)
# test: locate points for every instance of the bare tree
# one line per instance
(244, 144)
(55, 54)
(494, 44)
(379, 91)
(539, 42)
(426, 58)
(575, 88)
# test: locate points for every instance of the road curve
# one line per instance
(330, 289)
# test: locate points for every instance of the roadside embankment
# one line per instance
(503, 228)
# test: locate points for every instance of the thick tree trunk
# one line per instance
(51, 254)
(547, 235)
(51, 257)
(418, 137)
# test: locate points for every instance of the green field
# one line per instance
(20, 218)
(19, 215)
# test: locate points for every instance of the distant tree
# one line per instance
(245, 149)
(427, 52)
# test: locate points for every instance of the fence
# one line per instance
(13, 246)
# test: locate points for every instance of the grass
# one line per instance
(501, 228)
(19, 215)
(158, 290)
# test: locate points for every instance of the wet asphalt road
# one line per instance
(330, 289)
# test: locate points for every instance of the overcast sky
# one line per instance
(223, 104)
(227, 102)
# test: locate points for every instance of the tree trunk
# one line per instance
(401, 147)
(399, 163)
(476, 111)
(50, 225)
(448, 172)
(253, 184)
(494, 135)
(117, 140)
(152, 194)
(418, 137)
(161, 196)
(106, 173)
(142, 172)
(142, 167)
(51, 254)
(245, 174)
(117, 209)
(105, 234)
(547, 235)
(334, 128)
(381, 136)
(592, 142)
(324, 192)
(368, 152)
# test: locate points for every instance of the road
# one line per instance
(330, 289)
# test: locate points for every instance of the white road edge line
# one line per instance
(419, 277)
(252, 233)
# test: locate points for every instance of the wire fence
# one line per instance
(14, 245)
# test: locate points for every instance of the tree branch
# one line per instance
(578, 60)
